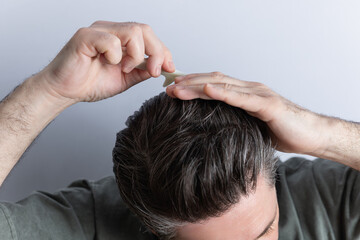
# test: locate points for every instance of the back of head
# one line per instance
(185, 161)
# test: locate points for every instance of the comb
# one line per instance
(169, 77)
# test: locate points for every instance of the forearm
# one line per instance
(342, 142)
(23, 115)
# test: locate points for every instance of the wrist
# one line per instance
(322, 137)
(338, 138)
(38, 86)
(33, 104)
(315, 134)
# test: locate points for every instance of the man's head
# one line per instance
(191, 168)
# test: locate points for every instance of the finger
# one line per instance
(131, 37)
(91, 42)
(136, 76)
(213, 78)
(154, 65)
(248, 101)
(236, 96)
(168, 65)
(154, 48)
(253, 89)
(186, 93)
(159, 56)
(227, 86)
(135, 51)
(213, 75)
(197, 91)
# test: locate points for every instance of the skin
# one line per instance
(254, 217)
(98, 62)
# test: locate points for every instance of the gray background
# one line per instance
(307, 50)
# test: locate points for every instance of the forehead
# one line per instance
(245, 220)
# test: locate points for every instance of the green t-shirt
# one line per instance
(317, 199)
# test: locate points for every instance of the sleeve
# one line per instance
(339, 189)
(318, 199)
(7, 230)
(67, 214)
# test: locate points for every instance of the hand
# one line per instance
(293, 129)
(92, 65)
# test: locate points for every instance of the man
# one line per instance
(317, 200)
(182, 166)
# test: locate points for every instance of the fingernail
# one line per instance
(158, 70)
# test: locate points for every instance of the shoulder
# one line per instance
(315, 198)
(297, 163)
(320, 172)
(113, 219)
(82, 210)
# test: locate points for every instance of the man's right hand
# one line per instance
(98, 62)
(92, 65)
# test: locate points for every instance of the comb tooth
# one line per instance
(168, 81)
(170, 77)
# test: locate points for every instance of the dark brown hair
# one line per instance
(185, 161)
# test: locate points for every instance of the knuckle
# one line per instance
(83, 31)
(106, 37)
(167, 53)
(161, 51)
(135, 29)
(98, 22)
(146, 27)
(265, 90)
(227, 86)
(114, 42)
(258, 85)
(217, 75)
